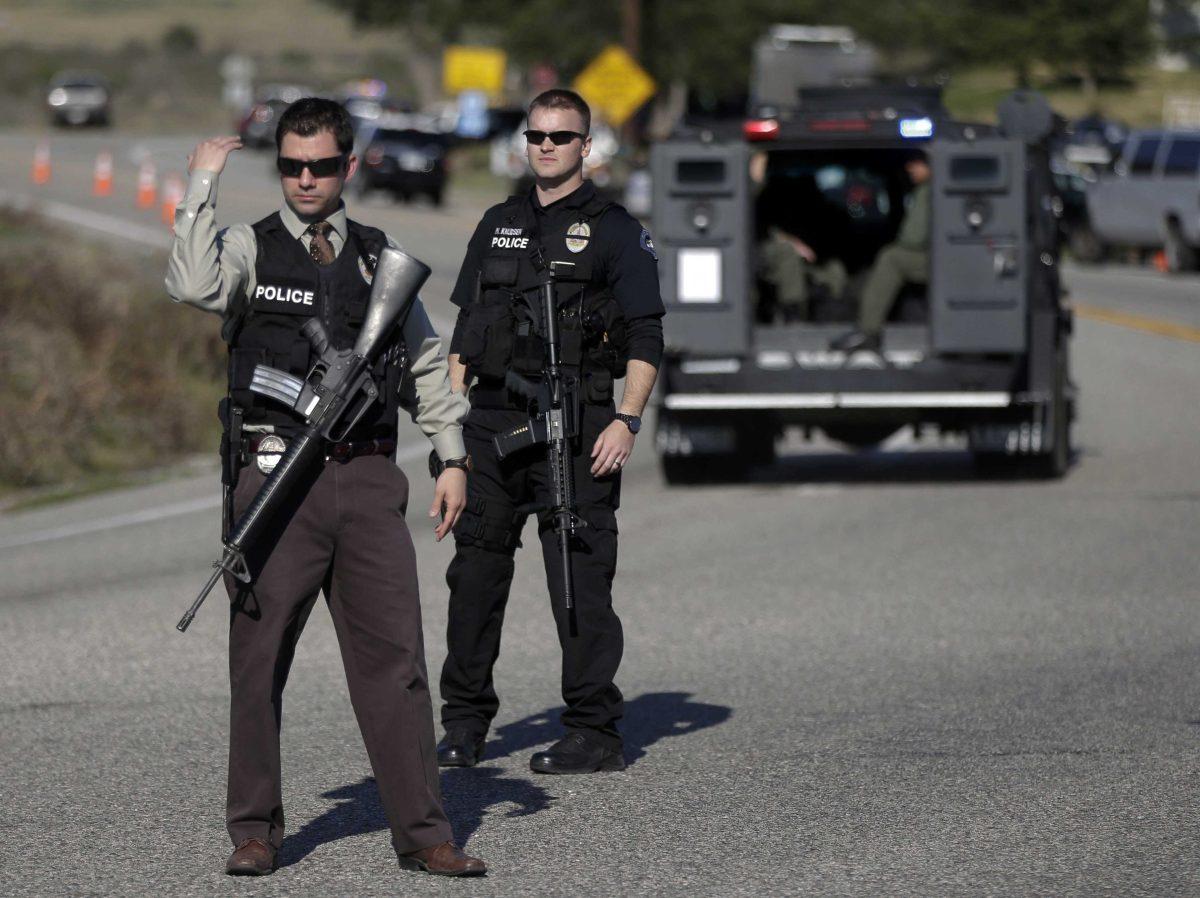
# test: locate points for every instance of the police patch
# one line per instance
(367, 267)
(647, 244)
(577, 236)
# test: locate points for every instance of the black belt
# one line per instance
(336, 451)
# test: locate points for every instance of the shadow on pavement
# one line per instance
(876, 466)
(648, 718)
(468, 793)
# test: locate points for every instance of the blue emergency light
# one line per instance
(916, 127)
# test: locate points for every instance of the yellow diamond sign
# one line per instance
(615, 85)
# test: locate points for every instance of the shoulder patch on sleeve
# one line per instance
(647, 244)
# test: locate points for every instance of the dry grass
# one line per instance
(248, 26)
(98, 371)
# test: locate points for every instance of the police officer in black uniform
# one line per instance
(343, 532)
(611, 326)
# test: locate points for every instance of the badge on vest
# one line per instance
(270, 451)
(287, 297)
(577, 236)
(366, 267)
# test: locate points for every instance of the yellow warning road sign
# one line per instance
(473, 68)
(615, 85)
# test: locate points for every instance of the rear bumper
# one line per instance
(835, 400)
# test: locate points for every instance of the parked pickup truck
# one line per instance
(1152, 197)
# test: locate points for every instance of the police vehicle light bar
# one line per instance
(916, 127)
(761, 129)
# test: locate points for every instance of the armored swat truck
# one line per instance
(978, 346)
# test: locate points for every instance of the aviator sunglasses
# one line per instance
(320, 168)
(558, 138)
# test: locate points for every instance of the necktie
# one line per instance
(319, 246)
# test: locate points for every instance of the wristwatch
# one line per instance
(437, 466)
(633, 422)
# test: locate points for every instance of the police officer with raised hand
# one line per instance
(610, 325)
(344, 532)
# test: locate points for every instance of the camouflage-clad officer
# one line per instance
(904, 261)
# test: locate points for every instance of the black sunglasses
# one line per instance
(320, 168)
(558, 138)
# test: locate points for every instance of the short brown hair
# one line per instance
(561, 98)
(312, 115)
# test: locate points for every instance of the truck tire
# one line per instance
(1180, 255)
(1055, 463)
(1050, 465)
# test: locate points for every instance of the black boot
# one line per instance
(577, 753)
(460, 747)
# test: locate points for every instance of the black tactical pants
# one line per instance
(344, 535)
(500, 495)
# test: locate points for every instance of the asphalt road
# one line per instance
(858, 675)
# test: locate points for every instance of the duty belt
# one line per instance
(342, 452)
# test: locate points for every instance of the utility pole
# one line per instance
(631, 39)
(631, 27)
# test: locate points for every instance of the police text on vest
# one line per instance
(284, 294)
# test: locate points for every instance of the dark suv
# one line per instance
(406, 161)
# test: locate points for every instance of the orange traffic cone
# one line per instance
(173, 189)
(147, 186)
(102, 175)
(41, 163)
(1160, 262)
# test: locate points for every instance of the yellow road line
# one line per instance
(1139, 323)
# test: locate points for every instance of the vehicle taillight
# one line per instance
(761, 129)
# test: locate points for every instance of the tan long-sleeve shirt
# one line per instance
(208, 267)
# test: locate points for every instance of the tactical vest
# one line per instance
(291, 288)
(502, 328)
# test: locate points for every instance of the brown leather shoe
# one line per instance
(253, 857)
(446, 859)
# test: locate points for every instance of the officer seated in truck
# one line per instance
(797, 235)
(904, 261)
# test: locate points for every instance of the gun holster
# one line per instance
(232, 458)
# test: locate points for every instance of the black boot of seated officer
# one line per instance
(578, 753)
(856, 340)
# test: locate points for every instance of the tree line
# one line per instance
(707, 44)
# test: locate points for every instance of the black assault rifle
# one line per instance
(555, 424)
(337, 392)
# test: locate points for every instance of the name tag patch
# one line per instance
(509, 238)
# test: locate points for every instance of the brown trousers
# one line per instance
(343, 533)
